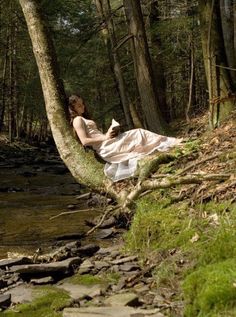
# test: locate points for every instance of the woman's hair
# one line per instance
(72, 100)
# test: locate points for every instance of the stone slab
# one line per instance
(80, 291)
(54, 267)
(124, 299)
(110, 312)
(10, 262)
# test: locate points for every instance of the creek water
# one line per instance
(29, 197)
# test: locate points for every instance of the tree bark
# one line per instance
(220, 87)
(82, 165)
(104, 10)
(143, 68)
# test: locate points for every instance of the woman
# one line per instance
(121, 152)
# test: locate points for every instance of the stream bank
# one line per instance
(184, 234)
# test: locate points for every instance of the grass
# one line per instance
(211, 290)
(87, 279)
(48, 303)
(194, 249)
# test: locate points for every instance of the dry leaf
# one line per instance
(195, 238)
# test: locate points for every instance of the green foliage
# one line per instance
(196, 245)
(211, 290)
(157, 227)
(47, 304)
(87, 279)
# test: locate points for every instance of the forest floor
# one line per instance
(182, 239)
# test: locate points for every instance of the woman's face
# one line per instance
(79, 106)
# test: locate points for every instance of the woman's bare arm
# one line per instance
(80, 129)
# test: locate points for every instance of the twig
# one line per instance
(170, 182)
(70, 212)
(101, 221)
(198, 163)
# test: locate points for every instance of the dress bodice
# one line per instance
(91, 128)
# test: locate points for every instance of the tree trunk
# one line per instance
(104, 10)
(82, 165)
(143, 68)
(229, 28)
(158, 64)
(218, 78)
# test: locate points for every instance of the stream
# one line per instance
(35, 186)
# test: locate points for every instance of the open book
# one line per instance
(115, 126)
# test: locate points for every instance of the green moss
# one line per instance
(48, 304)
(211, 289)
(164, 233)
(87, 279)
(157, 227)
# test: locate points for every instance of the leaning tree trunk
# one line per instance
(82, 165)
(221, 97)
(143, 68)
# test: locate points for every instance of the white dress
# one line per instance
(123, 152)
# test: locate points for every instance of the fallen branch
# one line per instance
(171, 181)
(209, 158)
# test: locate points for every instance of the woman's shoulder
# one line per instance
(78, 120)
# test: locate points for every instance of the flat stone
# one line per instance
(81, 291)
(54, 267)
(124, 260)
(85, 267)
(121, 284)
(101, 264)
(104, 233)
(128, 267)
(21, 294)
(17, 261)
(43, 280)
(125, 299)
(118, 311)
(5, 301)
(88, 250)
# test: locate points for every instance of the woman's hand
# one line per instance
(110, 134)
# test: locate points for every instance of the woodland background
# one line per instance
(93, 38)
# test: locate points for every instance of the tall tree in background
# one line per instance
(215, 51)
(143, 68)
(105, 13)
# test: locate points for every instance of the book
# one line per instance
(115, 126)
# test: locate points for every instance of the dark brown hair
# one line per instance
(71, 105)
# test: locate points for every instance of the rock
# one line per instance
(127, 267)
(125, 299)
(43, 280)
(71, 236)
(121, 284)
(85, 267)
(17, 261)
(104, 233)
(21, 294)
(88, 250)
(100, 265)
(66, 251)
(124, 260)
(118, 311)
(63, 267)
(3, 283)
(106, 224)
(78, 292)
(5, 301)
